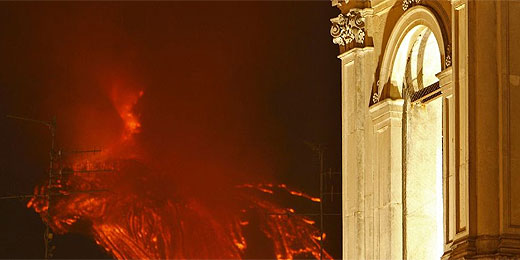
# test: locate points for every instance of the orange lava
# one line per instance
(135, 214)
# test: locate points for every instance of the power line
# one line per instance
(319, 149)
(55, 176)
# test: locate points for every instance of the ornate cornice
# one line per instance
(408, 3)
(348, 28)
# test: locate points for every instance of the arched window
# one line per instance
(412, 59)
(417, 62)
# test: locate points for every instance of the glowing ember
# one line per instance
(138, 215)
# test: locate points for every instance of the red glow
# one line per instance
(141, 214)
(124, 102)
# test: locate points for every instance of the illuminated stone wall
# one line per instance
(480, 85)
(424, 181)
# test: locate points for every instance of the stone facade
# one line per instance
(431, 147)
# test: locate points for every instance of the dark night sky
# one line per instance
(239, 86)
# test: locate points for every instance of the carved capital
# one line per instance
(408, 3)
(347, 28)
(339, 3)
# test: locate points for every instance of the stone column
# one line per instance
(348, 31)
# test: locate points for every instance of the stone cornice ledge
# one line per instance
(360, 50)
(386, 109)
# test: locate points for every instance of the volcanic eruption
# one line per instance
(142, 211)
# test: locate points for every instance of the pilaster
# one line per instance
(483, 220)
(386, 118)
(356, 82)
(348, 30)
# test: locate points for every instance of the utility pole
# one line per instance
(48, 233)
(54, 156)
(47, 238)
(319, 149)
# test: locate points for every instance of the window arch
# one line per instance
(416, 20)
(417, 60)
(413, 56)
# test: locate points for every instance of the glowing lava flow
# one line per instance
(140, 216)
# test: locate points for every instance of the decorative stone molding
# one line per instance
(375, 95)
(339, 3)
(375, 98)
(348, 28)
(408, 3)
(447, 59)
